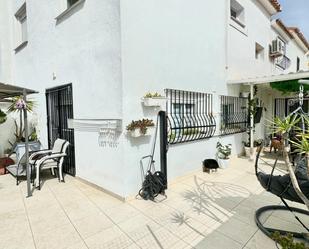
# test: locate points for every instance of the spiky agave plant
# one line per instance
(19, 105)
(283, 127)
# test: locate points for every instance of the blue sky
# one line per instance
(296, 13)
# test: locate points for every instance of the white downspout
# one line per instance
(251, 123)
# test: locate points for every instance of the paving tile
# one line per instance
(138, 226)
(160, 238)
(16, 235)
(260, 240)
(92, 224)
(216, 240)
(59, 238)
(80, 208)
(238, 230)
(247, 214)
(109, 238)
(80, 245)
(121, 213)
(12, 219)
(48, 219)
(278, 223)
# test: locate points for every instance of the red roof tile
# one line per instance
(300, 35)
(276, 4)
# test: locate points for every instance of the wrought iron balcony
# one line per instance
(283, 62)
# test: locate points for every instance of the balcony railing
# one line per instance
(283, 62)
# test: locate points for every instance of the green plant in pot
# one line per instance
(153, 99)
(3, 117)
(140, 127)
(223, 154)
(256, 144)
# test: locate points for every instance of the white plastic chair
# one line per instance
(49, 159)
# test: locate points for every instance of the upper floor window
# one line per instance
(297, 64)
(71, 2)
(259, 51)
(237, 13)
(22, 32)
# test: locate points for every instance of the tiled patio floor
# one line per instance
(201, 211)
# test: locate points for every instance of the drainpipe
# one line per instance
(251, 124)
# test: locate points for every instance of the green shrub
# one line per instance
(287, 241)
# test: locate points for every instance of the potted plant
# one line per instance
(153, 99)
(256, 144)
(2, 117)
(140, 127)
(223, 155)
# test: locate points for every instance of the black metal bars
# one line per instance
(234, 115)
(59, 102)
(189, 115)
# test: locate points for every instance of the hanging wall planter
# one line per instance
(153, 99)
(140, 128)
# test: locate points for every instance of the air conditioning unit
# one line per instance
(277, 48)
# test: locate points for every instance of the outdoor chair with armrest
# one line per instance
(49, 159)
(18, 170)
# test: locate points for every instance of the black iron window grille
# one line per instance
(190, 116)
(234, 115)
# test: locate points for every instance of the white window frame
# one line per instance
(22, 27)
(239, 11)
(259, 51)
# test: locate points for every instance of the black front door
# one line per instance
(59, 101)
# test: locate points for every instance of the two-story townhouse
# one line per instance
(259, 46)
(92, 61)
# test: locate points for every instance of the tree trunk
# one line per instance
(20, 125)
(293, 177)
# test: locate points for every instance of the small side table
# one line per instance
(4, 162)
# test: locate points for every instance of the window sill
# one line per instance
(239, 26)
(69, 10)
(21, 46)
(238, 22)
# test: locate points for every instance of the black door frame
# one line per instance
(63, 131)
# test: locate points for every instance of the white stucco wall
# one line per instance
(82, 49)
(172, 44)
(241, 51)
(241, 46)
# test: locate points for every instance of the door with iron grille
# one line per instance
(59, 101)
